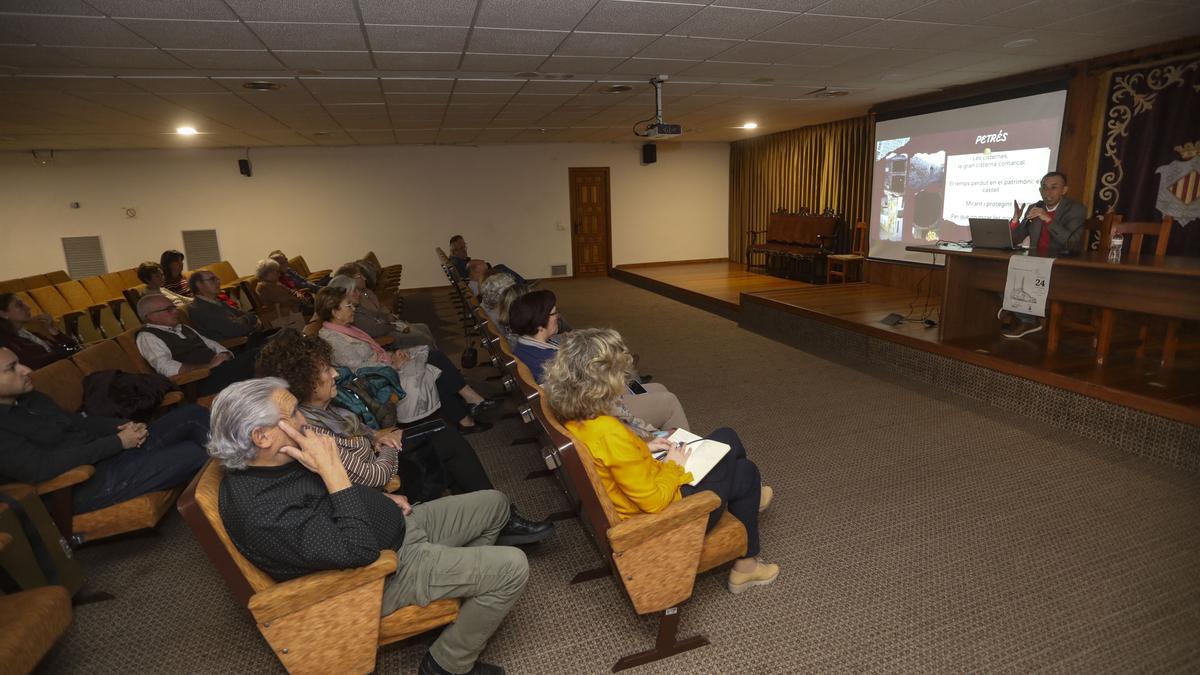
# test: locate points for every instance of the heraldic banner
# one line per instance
(1149, 165)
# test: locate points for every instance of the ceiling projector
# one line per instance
(656, 127)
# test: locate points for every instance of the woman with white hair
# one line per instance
(289, 507)
(273, 293)
(378, 323)
(583, 382)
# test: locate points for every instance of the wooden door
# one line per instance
(591, 225)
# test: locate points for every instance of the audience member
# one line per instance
(290, 508)
(507, 298)
(33, 349)
(459, 258)
(151, 274)
(370, 456)
(533, 318)
(172, 267)
(293, 279)
(583, 382)
(377, 322)
(172, 348)
(214, 313)
(430, 380)
(271, 292)
(490, 292)
(39, 440)
(477, 271)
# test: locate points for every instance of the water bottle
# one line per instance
(1114, 247)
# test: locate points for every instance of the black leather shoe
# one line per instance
(430, 667)
(478, 427)
(523, 531)
(476, 409)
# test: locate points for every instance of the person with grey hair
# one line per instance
(271, 291)
(289, 507)
(215, 314)
(171, 348)
(376, 322)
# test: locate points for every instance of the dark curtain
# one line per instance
(1148, 166)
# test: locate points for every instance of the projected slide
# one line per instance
(933, 172)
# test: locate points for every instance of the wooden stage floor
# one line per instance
(723, 287)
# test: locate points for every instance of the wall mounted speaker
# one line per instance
(649, 153)
(244, 167)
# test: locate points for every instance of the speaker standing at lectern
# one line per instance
(1054, 226)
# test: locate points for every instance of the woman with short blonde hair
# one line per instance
(583, 382)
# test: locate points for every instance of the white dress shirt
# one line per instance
(158, 354)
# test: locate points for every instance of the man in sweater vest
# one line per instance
(172, 348)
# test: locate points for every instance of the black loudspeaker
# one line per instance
(244, 167)
(649, 153)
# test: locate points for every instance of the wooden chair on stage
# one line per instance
(841, 265)
(1134, 234)
(1057, 321)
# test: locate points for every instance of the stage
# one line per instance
(1132, 403)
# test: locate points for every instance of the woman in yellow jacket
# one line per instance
(582, 383)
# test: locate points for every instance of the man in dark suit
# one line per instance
(1054, 227)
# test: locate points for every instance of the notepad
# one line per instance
(706, 453)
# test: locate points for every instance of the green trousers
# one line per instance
(448, 553)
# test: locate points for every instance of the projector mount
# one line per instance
(658, 128)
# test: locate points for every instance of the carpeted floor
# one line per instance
(916, 532)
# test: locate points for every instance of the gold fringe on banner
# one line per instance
(818, 167)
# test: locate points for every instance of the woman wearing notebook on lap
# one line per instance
(583, 382)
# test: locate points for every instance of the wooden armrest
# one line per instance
(385, 340)
(191, 376)
(630, 533)
(313, 276)
(67, 478)
(170, 399)
(234, 342)
(5, 538)
(292, 596)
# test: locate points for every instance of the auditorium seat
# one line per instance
(62, 381)
(108, 355)
(101, 293)
(101, 316)
(75, 323)
(57, 277)
(185, 381)
(130, 277)
(31, 621)
(320, 623)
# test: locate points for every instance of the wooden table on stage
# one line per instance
(1167, 286)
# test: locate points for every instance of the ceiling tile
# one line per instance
(194, 34)
(332, 138)
(283, 138)
(361, 116)
(290, 91)
(325, 60)
(729, 22)
(505, 41)
(538, 14)
(431, 123)
(501, 63)
(650, 67)
(672, 47)
(416, 60)
(416, 84)
(720, 69)
(69, 7)
(796, 6)
(417, 98)
(416, 136)
(436, 13)
(814, 29)
(35, 57)
(311, 116)
(181, 85)
(120, 58)
(374, 137)
(791, 73)
(765, 52)
(310, 36)
(324, 11)
(457, 135)
(1113, 19)
(344, 89)
(227, 109)
(73, 84)
(959, 11)
(157, 9)
(971, 37)
(867, 8)
(488, 86)
(895, 34)
(417, 38)
(556, 87)
(603, 44)
(495, 135)
(227, 59)
(70, 31)
(579, 65)
(613, 16)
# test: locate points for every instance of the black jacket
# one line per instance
(39, 440)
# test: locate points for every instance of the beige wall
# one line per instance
(333, 204)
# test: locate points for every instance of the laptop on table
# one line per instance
(991, 233)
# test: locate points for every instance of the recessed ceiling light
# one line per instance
(1023, 42)
(831, 93)
(186, 131)
(617, 88)
(260, 85)
(527, 75)
(750, 125)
